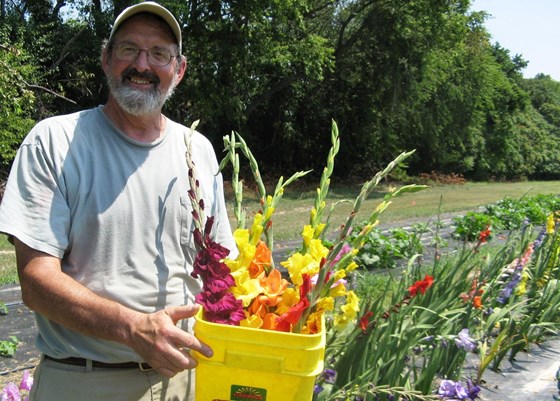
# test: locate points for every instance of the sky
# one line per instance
(530, 28)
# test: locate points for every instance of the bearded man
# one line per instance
(97, 206)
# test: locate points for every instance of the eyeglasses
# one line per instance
(156, 55)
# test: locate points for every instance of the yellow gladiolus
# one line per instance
(269, 209)
(550, 224)
(299, 264)
(351, 266)
(338, 290)
(313, 324)
(256, 229)
(252, 321)
(325, 304)
(319, 229)
(349, 311)
(317, 250)
(246, 289)
(339, 275)
(522, 287)
(307, 235)
(289, 299)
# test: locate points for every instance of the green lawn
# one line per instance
(293, 211)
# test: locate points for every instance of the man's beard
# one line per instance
(138, 102)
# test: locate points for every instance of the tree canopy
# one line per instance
(395, 75)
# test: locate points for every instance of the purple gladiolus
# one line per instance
(317, 389)
(455, 391)
(329, 376)
(464, 341)
(472, 389)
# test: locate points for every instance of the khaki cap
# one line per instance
(153, 8)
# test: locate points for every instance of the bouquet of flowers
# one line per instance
(250, 290)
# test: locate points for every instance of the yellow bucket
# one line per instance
(255, 364)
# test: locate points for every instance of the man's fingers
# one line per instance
(177, 313)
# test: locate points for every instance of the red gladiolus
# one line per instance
(484, 235)
(221, 307)
(286, 321)
(421, 286)
(364, 321)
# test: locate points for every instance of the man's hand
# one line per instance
(157, 339)
(155, 336)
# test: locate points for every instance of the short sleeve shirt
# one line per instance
(116, 212)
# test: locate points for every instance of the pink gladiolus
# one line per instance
(26, 381)
(11, 393)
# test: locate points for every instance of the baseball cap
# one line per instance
(153, 8)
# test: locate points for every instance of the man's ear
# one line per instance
(182, 69)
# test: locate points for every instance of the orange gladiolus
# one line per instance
(274, 286)
(262, 259)
(269, 321)
(477, 302)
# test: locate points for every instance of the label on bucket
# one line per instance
(245, 393)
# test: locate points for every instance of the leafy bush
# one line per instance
(384, 250)
(506, 214)
(472, 224)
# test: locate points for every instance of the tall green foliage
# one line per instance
(395, 75)
(16, 98)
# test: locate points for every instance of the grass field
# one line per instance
(293, 211)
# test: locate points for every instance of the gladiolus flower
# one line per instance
(364, 321)
(26, 381)
(313, 324)
(484, 235)
(262, 258)
(550, 224)
(421, 286)
(289, 299)
(11, 393)
(299, 265)
(287, 320)
(477, 302)
(464, 341)
(325, 304)
(329, 375)
(273, 287)
(221, 307)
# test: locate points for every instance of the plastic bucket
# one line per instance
(257, 365)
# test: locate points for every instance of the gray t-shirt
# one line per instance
(116, 211)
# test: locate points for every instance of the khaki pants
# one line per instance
(55, 381)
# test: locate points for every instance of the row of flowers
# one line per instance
(376, 351)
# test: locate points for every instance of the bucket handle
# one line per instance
(275, 364)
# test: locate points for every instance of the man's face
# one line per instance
(138, 86)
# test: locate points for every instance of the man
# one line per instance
(98, 209)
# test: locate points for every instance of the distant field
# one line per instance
(293, 211)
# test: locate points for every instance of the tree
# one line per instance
(16, 98)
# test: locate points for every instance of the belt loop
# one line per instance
(89, 366)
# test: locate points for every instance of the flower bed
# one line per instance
(408, 342)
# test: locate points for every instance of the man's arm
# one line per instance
(55, 295)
